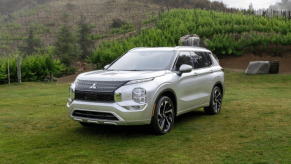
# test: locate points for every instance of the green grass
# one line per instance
(254, 126)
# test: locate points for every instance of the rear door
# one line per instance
(202, 66)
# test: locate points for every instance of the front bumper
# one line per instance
(124, 116)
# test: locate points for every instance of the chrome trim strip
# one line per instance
(138, 120)
(111, 123)
(78, 119)
(193, 108)
(117, 116)
(93, 121)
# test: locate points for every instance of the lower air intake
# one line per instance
(94, 115)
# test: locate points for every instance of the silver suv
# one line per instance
(148, 86)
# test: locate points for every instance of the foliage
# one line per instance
(126, 27)
(34, 67)
(33, 43)
(229, 33)
(150, 20)
(65, 48)
(66, 71)
(84, 39)
(70, 6)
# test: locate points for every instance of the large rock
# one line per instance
(188, 40)
(258, 67)
(203, 44)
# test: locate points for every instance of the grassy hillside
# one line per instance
(253, 127)
(10, 6)
(47, 16)
(225, 33)
(99, 13)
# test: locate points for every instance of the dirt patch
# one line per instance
(243, 61)
(71, 78)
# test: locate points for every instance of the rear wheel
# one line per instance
(215, 102)
(163, 118)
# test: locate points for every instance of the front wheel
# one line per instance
(215, 102)
(163, 118)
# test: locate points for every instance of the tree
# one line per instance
(33, 43)
(251, 9)
(65, 48)
(283, 5)
(84, 39)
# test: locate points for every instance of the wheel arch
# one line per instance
(221, 87)
(171, 94)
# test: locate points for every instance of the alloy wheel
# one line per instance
(217, 100)
(165, 116)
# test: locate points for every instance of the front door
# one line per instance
(188, 85)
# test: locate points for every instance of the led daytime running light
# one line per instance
(139, 81)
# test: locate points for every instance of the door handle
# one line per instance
(195, 74)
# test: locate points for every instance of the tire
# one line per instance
(215, 102)
(87, 124)
(163, 119)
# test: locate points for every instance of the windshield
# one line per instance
(143, 61)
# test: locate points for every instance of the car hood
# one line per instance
(102, 75)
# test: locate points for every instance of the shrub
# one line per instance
(70, 6)
(117, 23)
(33, 68)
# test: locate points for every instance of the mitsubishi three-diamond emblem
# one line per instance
(93, 86)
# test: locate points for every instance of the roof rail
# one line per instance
(189, 47)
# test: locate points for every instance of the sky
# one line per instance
(258, 4)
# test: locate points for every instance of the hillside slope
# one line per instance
(99, 13)
(10, 6)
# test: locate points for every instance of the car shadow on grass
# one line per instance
(140, 130)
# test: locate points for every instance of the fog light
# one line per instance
(117, 97)
(138, 107)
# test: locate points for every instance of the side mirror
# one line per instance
(185, 69)
(106, 66)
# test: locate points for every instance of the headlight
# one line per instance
(139, 95)
(71, 95)
(139, 81)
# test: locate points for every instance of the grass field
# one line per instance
(254, 126)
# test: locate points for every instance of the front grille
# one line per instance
(94, 115)
(94, 96)
(99, 86)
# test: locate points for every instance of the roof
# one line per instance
(179, 48)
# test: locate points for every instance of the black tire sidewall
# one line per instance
(211, 101)
(155, 117)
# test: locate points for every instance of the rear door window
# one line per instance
(208, 59)
(200, 60)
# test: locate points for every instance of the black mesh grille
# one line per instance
(94, 96)
(94, 115)
(99, 86)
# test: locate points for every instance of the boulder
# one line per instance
(258, 67)
(203, 44)
(188, 40)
